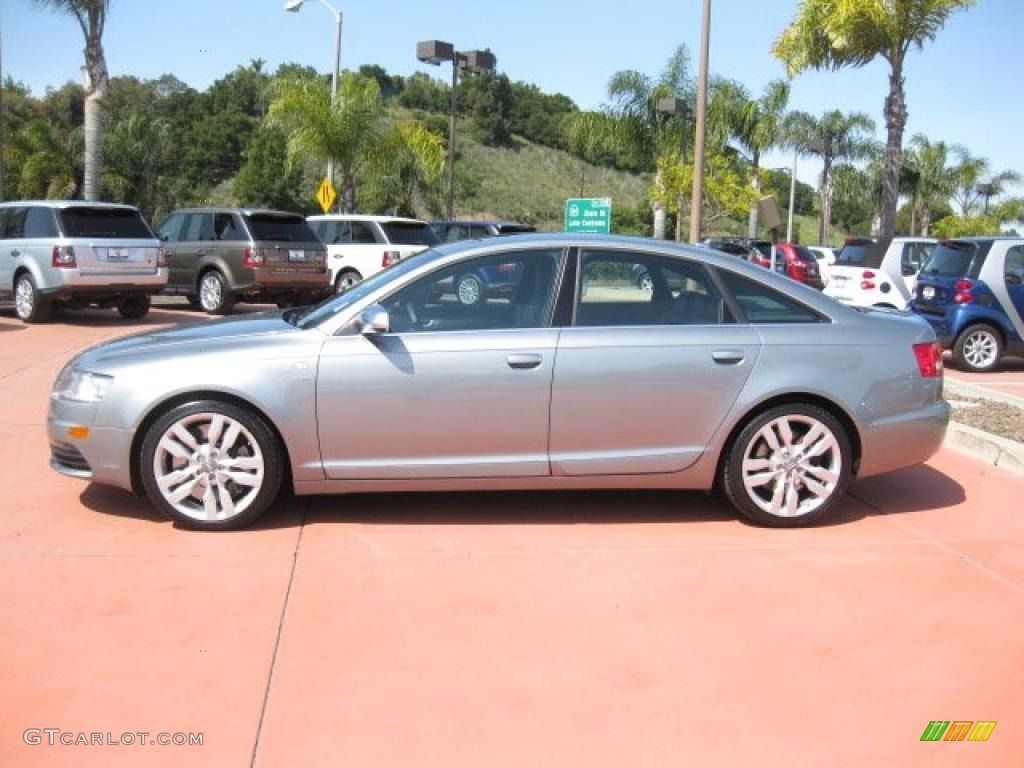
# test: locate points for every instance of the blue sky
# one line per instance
(962, 88)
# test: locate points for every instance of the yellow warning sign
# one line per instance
(326, 195)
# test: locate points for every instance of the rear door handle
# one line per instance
(524, 361)
(15, 254)
(201, 252)
(728, 356)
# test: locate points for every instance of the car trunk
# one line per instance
(854, 259)
(109, 241)
(289, 248)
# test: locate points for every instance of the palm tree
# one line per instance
(347, 130)
(91, 16)
(407, 165)
(829, 34)
(138, 153)
(835, 137)
(935, 177)
(633, 128)
(756, 124)
(48, 161)
(974, 180)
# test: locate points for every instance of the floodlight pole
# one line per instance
(697, 201)
(452, 116)
(792, 198)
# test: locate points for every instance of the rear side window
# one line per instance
(85, 221)
(762, 304)
(199, 228)
(362, 233)
(40, 223)
(227, 228)
(12, 223)
(862, 253)
(409, 233)
(477, 231)
(332, 232)
(1014, 270)
(951, 259)
(279, 227)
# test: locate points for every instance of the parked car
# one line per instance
(456, 231)
(61, 253)
(972, 292)
(359, 246)
(826, 257)
(220, 256)
(736, 377)
(763, 252)
(878, 272)
(800, 264)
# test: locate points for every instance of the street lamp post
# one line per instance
(672, 105)
(792, 196)
(697, 202)
(434, 52)
(295, 6)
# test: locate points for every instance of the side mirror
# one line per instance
(374, 319)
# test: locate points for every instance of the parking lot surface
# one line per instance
(531, 629)
(1008, 378)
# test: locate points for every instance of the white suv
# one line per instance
(358, 246)
(878, 272)
(76, 254)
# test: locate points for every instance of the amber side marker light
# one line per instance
(79, 433)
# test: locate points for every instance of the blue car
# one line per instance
(970, 290)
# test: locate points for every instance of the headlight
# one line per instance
(81, 386)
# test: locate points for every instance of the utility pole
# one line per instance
(697, 201)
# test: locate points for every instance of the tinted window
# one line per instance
(950, 259)
(198, 227)
(170, 228)
(362, 232)
(762, 304)
(82, 221)
(861, 253)
(1014, 270)
(227, 227)
(480, 230)
(508, 290)
(12, 222)
(456, 232)
(624, 289)
(515, 229)
(279, 227)
(332, 232)
(914, 255)
(409, 233)
(806, 255)
(40, 223)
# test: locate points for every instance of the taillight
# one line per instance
(161, 258)
(929, 359)
(507, 267)
(963, 292)
(390, 258)
(867, 285)
(64, 257)
(252, 258)
(868, 275)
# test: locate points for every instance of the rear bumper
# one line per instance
(903, 441)
(271, 283)
(68, 284)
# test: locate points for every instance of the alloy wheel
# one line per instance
(981, 349)
(210, 291)
(469, 290)
(24, 298)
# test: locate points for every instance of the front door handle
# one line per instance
(524, 361)
(728, 356)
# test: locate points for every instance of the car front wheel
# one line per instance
(211, 465)
(978, 349)
(789, 466)
(347, 278)
(470, 290)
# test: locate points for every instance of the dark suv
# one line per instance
(219, 256)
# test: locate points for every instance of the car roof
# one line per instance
(67, 204)
(363, 217)
(981, 238)
(485, 222)
(229, 209)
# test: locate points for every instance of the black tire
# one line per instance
(134, 307)
(732, 476)
(346, 279)
(470, 289)
(269, 447)
(978, 348)
(193, 302)
(29, 305)
(215, 302)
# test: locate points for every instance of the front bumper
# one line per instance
(905, 440)
(104, 456)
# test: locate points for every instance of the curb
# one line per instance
(992, 449)
(966, 389)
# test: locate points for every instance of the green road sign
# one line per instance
(588, 214)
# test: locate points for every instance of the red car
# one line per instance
(797, 262)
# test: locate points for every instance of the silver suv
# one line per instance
(76, 254)
(219, 256)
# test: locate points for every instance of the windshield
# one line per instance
(328, 308)
(104, 222)
(805, 254)
(279, 227)
(950, 260)
(861, 253)
(409, 233)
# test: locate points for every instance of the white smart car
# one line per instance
(878, 272)
(359, 246)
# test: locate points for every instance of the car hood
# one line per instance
(218, 334)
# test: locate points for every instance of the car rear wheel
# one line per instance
(978, 349)
(469, 289)
(214, 297)
(28, 304)
(789, 466)
(134, 307)
(346, 279)
(211, 465)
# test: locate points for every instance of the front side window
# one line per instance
(625, 289)
(199, 227)
(1014, 269)
(762, 304)
(496, 292)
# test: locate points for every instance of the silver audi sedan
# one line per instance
(558, 371)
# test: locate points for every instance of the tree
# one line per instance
(47, 161)
(728, 192)
(346, 131)
(830, 34)
(91, 16)
(266, 180)
(406, 168)
(835, 137)
(935, 177)
(974, 180)
(970, 226)
(491, 107)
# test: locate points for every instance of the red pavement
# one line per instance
(589, 629)
(1008, 378)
